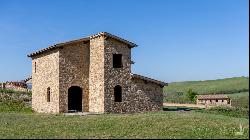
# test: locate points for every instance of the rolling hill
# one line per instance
(176, 92)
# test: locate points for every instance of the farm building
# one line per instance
(91, 74)
(14, 85)
(213, 100)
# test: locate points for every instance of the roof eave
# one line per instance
(162, 84)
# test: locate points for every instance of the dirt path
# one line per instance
(183, 105)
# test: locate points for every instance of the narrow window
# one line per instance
(118, 93)
(117, 60)
(35, 67)
(48, 94)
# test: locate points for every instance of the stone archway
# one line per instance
(75, 99)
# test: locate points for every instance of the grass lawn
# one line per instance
(173, 124)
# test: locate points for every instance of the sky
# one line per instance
(179, 40)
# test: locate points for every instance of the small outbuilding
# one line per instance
(213, 100)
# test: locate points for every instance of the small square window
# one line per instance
(117, 60)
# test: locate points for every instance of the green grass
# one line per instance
(176, 92)
(21, 123)
(240, 100)
(15, 101)
(14, 107)
(210, 86)
(14, 91)
(228, 111)
(146, 125)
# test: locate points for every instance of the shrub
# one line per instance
(228, 111)
(191, 95)
(15, 102)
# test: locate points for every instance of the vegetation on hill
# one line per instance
(228, 111)
(240, 100)
(15, 101)
(177, 92)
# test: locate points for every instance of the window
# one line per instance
(118, 93)
(117, 60)
(216, 100)
(48, 94)
(222, 100)
(35, 67)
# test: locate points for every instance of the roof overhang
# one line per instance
(86, 39)
(162, 84)
(211, 97)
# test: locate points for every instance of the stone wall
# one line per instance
(116, 76)
(145, 96)
(212, 102)
(96, 75)
(74, 71)
(46, 75)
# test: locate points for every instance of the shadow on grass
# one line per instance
(180, 109)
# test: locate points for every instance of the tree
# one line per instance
(191, 95)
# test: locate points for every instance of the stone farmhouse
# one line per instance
(213, 100)
(91, 74)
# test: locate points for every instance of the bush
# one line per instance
(14, 106)
(14, 91)
(240, 102)
(15, 102)
(228, 111)
(191, 95)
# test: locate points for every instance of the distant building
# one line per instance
(15, 85)
(213, 100)
(91, 74)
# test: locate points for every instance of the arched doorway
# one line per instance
(74, 99)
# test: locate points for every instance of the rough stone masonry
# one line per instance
(91, 74)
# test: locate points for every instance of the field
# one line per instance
(19, 121)
(165, 124)
(176, 92)
(240, 99)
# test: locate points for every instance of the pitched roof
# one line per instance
(149, 80)
(114, 37)
(82, 40)
(215, 96)
(57, 46)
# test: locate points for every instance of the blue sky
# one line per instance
(179, 40)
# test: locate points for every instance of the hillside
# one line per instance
(176, 91)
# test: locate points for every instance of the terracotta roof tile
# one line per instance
(149, 80)
(115, 37)
(82, 39)
(215, 96)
